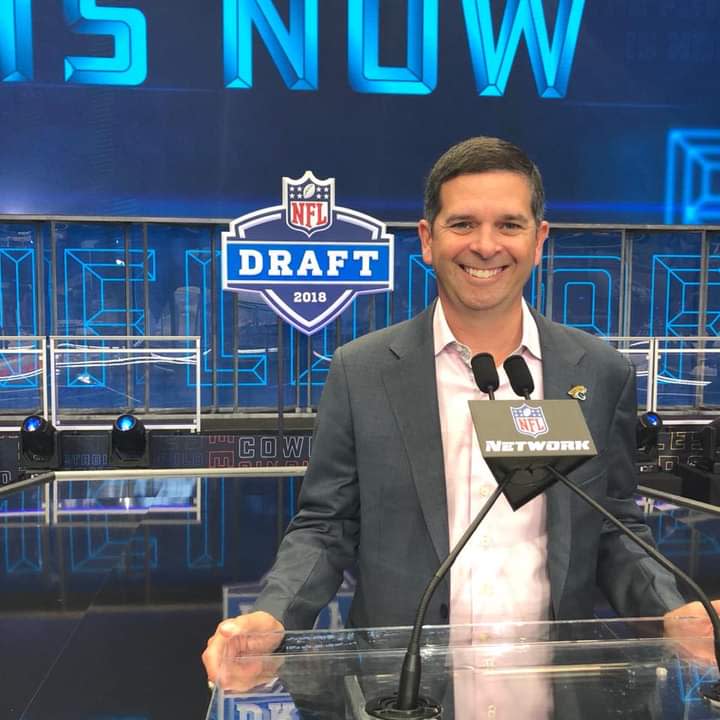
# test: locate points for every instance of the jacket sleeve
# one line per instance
(321, 540)
(634, 583)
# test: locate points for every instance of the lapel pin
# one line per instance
(579, 392)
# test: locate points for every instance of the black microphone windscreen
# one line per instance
(519, 375)
(486, 377)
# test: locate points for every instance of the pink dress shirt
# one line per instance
(501, 574)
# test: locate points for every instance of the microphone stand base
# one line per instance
(710, 692)
(384, 708)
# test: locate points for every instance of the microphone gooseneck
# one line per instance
(407, 704)
(519, 376)
(660, 559)
(485, 373)
(520, 380)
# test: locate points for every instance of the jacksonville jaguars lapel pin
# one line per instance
(579, 392)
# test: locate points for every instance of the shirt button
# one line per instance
(484, 491)
(484, 541)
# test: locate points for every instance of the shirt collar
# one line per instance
(443, 335)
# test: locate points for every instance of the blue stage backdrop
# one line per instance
(159, 108)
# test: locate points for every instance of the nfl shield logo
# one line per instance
(307, 281)
(308, 203)
(529, 420)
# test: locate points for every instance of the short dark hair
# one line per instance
(478, 155)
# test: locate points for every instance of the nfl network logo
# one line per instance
(529, 420)
(307, 258)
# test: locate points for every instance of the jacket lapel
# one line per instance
(561, 356)
(411, 387)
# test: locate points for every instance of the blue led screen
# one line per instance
(98, 280)
(157, 108)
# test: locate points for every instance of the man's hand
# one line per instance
(255, 634)
(689, 623)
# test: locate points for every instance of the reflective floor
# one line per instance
(110, 588)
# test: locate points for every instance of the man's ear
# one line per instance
(425, 233)
(541, 235)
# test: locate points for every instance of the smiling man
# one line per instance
(396, 473)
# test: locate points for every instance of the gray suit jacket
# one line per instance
(374, 495)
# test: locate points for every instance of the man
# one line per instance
(396, 473)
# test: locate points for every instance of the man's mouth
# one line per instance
(482, 274)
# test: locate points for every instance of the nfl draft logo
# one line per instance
(307, 258)
(529, 420)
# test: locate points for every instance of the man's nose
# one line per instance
(484, 242)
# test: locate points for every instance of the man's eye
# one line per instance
(511, 226)
(461, 226)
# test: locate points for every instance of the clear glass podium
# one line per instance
(583, 669)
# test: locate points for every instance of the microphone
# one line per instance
(518, 373)
(408, 704)
(519, 376)
(485, 373)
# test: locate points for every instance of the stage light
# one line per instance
(129, 443)
(38, 448)
(647, 431)
(710, 442)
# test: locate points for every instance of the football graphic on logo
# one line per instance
(309, 191)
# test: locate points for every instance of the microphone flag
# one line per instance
(524, 437)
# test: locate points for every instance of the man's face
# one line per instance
(483, 243)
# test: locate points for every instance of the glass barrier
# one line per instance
(688, 373)
(125, 374)
(144, 500)
(674, 373)
(22, 375)
(580, 669)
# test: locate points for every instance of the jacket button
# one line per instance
(444, 612)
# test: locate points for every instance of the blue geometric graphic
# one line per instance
(320, 363)
(692, 184)
(94, 549)
(202, 550)
(23, 550)
(585, 292)
(253, 364)
(101, 275)
(421, 285)
(675, 311)
(690, 678)
(674, 290)
(95, 285)
(672, 534)
(240, 335)
(18, 294)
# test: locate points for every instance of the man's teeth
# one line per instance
(476, 272)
